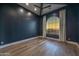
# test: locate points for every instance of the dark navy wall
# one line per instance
(78, 24)
(72, 22)
(16, 25)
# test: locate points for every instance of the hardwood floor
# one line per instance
(41, 47)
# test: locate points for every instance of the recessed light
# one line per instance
(27, 4)
(29, 13)
(35, 9)
(21, 10)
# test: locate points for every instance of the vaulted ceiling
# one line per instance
(41, 8)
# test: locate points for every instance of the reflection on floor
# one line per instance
(41, 47)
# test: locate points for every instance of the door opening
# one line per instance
(53, 26)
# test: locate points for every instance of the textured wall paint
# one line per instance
(16, 25)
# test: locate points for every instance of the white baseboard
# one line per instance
(70, 42)
(21, 41)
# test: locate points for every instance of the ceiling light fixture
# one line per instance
(35, 9)
(21, 10)
(29, 13)
(27, 4)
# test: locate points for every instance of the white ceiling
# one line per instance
(45, 7)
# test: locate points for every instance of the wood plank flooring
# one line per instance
(41, 47)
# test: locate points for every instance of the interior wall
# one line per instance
(78, 26)
(72, 21)
(16, 25)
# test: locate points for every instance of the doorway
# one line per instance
(53, 26)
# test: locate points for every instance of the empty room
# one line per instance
(39, 29)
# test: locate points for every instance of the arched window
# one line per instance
(53, 25)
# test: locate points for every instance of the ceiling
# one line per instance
(41, 8)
